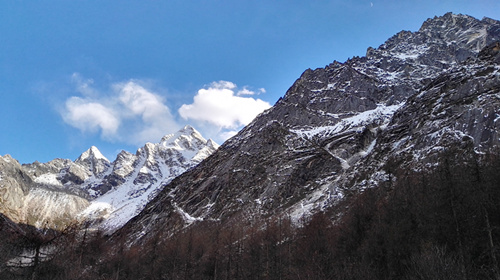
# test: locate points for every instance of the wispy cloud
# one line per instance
(220, 104)
(246, 91)
(84, 86)
(155, 117)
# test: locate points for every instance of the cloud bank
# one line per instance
(132, 113)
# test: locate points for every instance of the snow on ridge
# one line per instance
(381, 112)
(187, 133)
(6, 158)
(189, 143)
(411, 53)
(153, 166)
(97, 210)
(97, 154)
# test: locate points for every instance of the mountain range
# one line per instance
(94, 190)
(380, 167)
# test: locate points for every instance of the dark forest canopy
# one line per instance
(441, 223)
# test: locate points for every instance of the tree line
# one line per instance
(439, 222)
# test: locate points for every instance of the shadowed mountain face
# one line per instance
(337, 128)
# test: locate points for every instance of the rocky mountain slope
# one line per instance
(91, 188)
(382, 167)
(337, 128)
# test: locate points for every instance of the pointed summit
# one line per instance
(185, 139)
(188, 129)
(134, 179)
(92, 153)
(94, 160)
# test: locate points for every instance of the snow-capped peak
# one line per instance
(187, 138)
(93, 161)
(134, 179)
(92, 153)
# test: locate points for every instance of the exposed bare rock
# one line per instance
(418, 91)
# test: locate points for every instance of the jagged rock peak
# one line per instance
(7, 158)
(93, 160)
(186, 138)
(456, 32)
(447, 20)
(461, 29)
(187, 129)
(92, 153)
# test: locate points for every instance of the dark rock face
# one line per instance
(463, 100)
(491, 52)
(415, 93)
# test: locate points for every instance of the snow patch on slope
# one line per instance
(48, 179)
(382, 112)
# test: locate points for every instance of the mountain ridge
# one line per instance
(61, 192)
(301, 155)
(382, 167)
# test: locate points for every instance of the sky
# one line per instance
(118, 74)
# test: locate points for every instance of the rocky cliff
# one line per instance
(415, 94)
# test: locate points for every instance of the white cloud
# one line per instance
(87, 115)
(128, 113)
(245, 91)
(223, 85)
(140, 101)
(83, 86)
(227, 134)
(219, 105)
(132, 113)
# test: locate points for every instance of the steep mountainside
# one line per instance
(62, 192)
(415, 94)
(24, 199)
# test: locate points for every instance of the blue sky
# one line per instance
(116, 74)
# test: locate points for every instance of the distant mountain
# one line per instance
(339, 127)
(91, 188)
(133, 180)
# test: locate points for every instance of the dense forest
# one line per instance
(437, 222)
